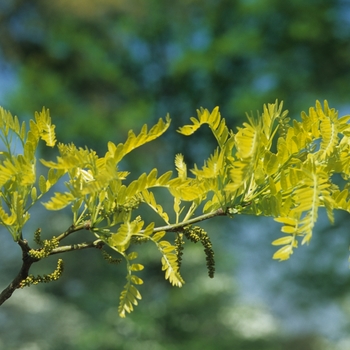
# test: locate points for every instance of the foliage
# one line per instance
(268, 167)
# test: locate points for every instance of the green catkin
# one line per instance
(46, 247)
(179, 244)
(37, 237)
(197, 234)
(54, 276)
(139, 239)
(109, 258)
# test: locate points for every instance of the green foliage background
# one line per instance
(104, 67)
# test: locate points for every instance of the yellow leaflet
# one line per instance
(340, 199)
(132, 256)
(222, 134)
(311, 122)
(286, 220)
(188, 129)
(136, 280)
(283, 240)
(247, 139)
(59, 201)
(152, 177)
(272, 187)
(212, 204)
(33, 135)
(204, 117)
(271, 112)
(289, 229)
(124, 233)
(271, 163)
(22, 133)
(135, 292)
(181, 166)
(282, 150)
(149, 229)
(214, 118)
(166, 246)
(46, 129)
(136, 267)
(7, 220)
(33, 194)
(133, 141)
(159, 235)
(283, 253)
(164, 179)
(177, 209)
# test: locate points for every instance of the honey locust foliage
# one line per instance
(269, 166)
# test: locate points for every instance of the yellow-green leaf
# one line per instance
(149, 229)
(283, 253)
(283, 240)
(46, 129)
(286, 220)
(135, 292)
(34, 194)
(159, 235)
(289, 229)
(42, 184)
(59, 201)
(181, 166)
(132, 256)
(136, 267)
(124, 233)
(136, 280)
(7, 220)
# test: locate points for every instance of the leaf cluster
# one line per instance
(18, 167)
(268, 166)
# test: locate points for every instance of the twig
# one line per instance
(70, 248)
(71, 229)
(181, 225)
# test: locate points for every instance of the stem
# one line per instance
(70, 248)
(22, 274)
(181, 225)
(99, 243)
(85, 225)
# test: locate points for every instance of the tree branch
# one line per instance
(27, 262)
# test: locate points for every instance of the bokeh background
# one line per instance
(104, 67)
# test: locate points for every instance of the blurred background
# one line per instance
(104, 67)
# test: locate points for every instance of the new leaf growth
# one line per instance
(268, 166)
